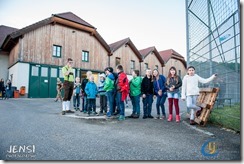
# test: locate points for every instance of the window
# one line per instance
(57, 51)
(156, 67)
(179, 74)
(85, 56)
(145, 66)
(132, 64)
(117, 61)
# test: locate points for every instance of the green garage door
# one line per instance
(43, 81)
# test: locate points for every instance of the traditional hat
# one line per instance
(59, 81)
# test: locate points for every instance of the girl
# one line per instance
(59, 88)
(173, 83)
(160, 91)
(190, 90)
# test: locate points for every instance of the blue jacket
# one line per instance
(91, 90)
(101, 90)
(160, 85)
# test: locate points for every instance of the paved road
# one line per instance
(34, 129)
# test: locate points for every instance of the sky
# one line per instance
(159, 23)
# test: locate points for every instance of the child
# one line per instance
(190, 90)
(59, 89)
(102, 93)
(109, 88)
(135, 93)
(122, 88)
(91, 92)
(160, 91)
(173, 83)
(77, 94)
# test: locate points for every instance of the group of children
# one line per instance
(115, 87)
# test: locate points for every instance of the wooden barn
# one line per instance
(124, 52)
(173, 58)
(151, 59)
(37, 52)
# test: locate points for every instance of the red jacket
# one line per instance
(123, 85)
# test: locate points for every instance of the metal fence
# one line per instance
(213, 43)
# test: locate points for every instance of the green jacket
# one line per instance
(109, 84)
(135, 86)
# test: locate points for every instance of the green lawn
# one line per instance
(227, 117)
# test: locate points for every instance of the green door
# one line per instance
(53, 82)
(44, 82)
(34, 81)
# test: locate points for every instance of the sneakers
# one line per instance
(131, 116)
(70, 111)
(177, 118)
(192, 122)
(109, 114)
(136, 116)
(100, 113)
(63, 112)
(150, 116)
(121, 118)
(163, 117)
(170, 118)
(144, 117)
(157, 117)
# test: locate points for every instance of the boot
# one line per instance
(170, 118)
(177, 118)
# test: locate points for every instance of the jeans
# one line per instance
(84, 103)
(191, 102)
(110, 96)
(103, 103)
(91, 105)
(160, 103)
(135, 104)
(147, 105)
(76, 101)
(121, 104)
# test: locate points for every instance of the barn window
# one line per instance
(85, 56)
(117, 61)
(132, 64)
(145, 66)
(57, 51)
(156, 67)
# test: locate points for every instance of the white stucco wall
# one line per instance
(4, 66)
(20, 75)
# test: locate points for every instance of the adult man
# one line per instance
(68, 86)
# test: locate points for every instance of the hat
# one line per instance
(110, 69)
(59, 81)
(102, 75)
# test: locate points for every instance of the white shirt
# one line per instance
(190, 84)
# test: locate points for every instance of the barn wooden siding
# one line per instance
(36, 46)
(126, 54)
(152, 61)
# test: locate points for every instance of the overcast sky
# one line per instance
(159, 23)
